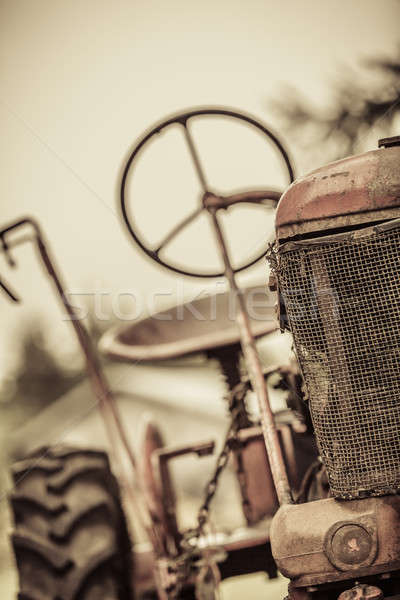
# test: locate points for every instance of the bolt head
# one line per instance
(362, 592)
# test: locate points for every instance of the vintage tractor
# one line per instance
(335, 532)
(71, 540)
(336, 266)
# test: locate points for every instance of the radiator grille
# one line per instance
(341, 294)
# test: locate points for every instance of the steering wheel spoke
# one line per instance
(216, 202)
(177, 229)
(194, 155)
(254, 197)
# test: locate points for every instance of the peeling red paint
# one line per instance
(369, 181)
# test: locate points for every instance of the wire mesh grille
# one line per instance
(342, 301)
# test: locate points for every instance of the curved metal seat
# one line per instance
(199, 326)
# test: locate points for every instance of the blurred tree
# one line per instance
(39, 377)
(343, 127)
(36, 380)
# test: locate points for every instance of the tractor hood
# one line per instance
(359, 185)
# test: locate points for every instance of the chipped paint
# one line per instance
(359, 184)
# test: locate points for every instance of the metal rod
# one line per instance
(108, 409)
(99, 382)
(195, 156)
(252, 196)
(10, 293)
(101, 389)
(256, 376)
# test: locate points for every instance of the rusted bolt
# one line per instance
(362, 592)
(352, 545)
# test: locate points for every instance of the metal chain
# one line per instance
(229, 360)
(185, 562)
(242, 479)
(238, 394)
(230, 441)
(222, 461)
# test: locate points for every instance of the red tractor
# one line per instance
(326, 518)
(336, 267)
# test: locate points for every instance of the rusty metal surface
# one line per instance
(298, 453)
(346, 330)
(167, 500)
(347, 591)
(358, 184)
(306, 547)
(247, 555)
(189, 548)
(256, 375)
(250, 555)
(260, 488)
(341, 296)
(204, 324)
(315, 484)
(352, 545)
(339, 223)
(298, 594)
(362, 592)
(158, 493)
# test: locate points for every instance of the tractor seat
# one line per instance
(198, 326)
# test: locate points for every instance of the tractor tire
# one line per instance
(70, 540)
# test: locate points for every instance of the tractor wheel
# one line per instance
(70, 539)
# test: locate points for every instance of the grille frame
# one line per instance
(330, 314)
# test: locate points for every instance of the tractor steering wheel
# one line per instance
(210, 201)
